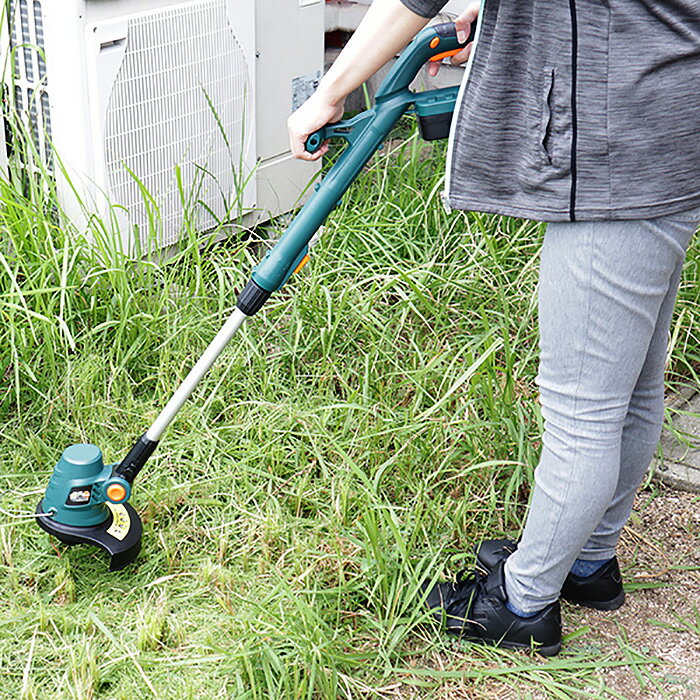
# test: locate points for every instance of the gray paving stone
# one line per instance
(679, 466)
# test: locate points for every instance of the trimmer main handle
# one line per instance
(431, 44)
(365, 134)
(435, 42)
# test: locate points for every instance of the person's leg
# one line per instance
(640, 437)
(602, 286)
(642, 427)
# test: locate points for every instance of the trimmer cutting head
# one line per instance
(85, 503)
(119, 534)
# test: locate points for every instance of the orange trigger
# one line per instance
(446, 54)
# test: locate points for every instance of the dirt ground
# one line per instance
(660, 547)
(655, 634)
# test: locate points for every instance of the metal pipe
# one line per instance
(214, 349)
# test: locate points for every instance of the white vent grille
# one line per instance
(180, 100)
(29, 74)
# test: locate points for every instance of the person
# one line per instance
(583, 115)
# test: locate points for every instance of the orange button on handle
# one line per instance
(116, 492)
(434, 42)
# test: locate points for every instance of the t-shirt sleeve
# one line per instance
(425, 8)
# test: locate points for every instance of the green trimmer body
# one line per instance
(86, 501)
(77, 509)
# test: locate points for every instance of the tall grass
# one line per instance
(375, 419)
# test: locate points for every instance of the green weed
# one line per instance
(375, 419)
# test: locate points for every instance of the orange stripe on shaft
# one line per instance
(445, 54)
(303, 262)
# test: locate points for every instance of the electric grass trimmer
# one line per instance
(86, 500)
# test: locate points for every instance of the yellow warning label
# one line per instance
(121, 522)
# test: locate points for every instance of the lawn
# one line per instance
(377, 418)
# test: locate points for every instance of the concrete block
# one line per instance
(679, 465)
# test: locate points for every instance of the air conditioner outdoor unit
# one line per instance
(153, 113)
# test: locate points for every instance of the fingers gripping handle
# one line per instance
(315, 140)
(431, 44)
(440, 40)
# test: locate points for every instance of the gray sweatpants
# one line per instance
(606, 297)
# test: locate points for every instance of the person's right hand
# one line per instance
(316, 112)
(463, 24)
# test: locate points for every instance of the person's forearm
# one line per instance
(386, 28)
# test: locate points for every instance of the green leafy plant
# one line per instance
(375, 419)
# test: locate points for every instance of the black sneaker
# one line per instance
(474, 608)
(601, 590)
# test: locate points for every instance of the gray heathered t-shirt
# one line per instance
(579, 110)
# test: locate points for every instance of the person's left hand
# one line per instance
(463, 23)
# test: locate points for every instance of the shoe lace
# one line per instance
(469, 584)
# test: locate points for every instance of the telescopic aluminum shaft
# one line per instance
(214, 349)
(364, 134)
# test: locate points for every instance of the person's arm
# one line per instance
(386, 28)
